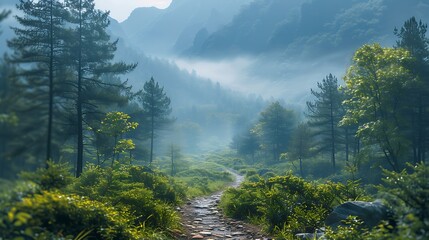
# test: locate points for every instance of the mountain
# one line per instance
(206, 112)
(170, 30)
(309, 26)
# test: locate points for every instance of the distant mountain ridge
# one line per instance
(165, 31)
(309, 26)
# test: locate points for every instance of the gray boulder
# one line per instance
(371, 213)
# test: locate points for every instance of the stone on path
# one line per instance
(204, 220)
(198, 237)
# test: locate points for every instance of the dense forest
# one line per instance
(94, 146)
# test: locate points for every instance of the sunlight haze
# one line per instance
(121, 9)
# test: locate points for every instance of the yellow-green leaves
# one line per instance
(124, 145)
(116, 123)
(378, 82)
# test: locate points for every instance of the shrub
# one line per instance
(147, 195)
(147, 210)
(241, 203)
(287, 204)
(68, 215)
(408, 193)
(55, 176)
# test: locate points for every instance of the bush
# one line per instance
(287, 204)
(147, 210)
(147, 195)
(55, 176)
(65, 215)
(408, 193)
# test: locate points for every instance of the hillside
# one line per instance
(309, 27)
(165, 31)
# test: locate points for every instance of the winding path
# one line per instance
(202, 219)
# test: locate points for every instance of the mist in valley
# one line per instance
(214, 119)
(223, 62)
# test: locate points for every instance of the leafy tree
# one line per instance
(248, 143)
(156, 107)
(301, 143)
(412, 36)
(92, 53)
(116, 124)
(376, 83)
(324, 115)
(274, 127)
(37, 47)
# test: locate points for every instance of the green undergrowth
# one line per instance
(124, 202)
(287, 204)
(199, 174)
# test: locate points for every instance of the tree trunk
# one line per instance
(172, 161)
(152, 136)
(347, 144)
(79, 163)
(51, 86)
(332, 138)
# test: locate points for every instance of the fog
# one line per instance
(222, 62)
(271, 77)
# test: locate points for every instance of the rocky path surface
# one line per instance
(202, 219)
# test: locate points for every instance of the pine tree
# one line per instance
(412, 36)
(324, 115)
(38, 48)
(156, 107)
(92, 55)
(274, 127)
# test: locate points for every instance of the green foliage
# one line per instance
(117, 123)
(147, 195)
(125, 202)
(376, 83)
(324, 115)
(156, 107)
(54, 177)
(201, 181)
(64, 215)
(353, 229)
(288, 204)
(409, 194)
(274, 129)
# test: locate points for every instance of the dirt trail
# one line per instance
(202, 219)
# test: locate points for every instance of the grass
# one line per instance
(201, 174)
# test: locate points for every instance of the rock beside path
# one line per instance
(371, 213)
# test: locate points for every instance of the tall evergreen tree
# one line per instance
(412, 36)
(156, 107)
(324, 114)
(274, 127)
(92, 54)
(38, 48)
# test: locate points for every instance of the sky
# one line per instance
(121, 9)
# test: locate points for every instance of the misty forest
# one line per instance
(215, 119)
